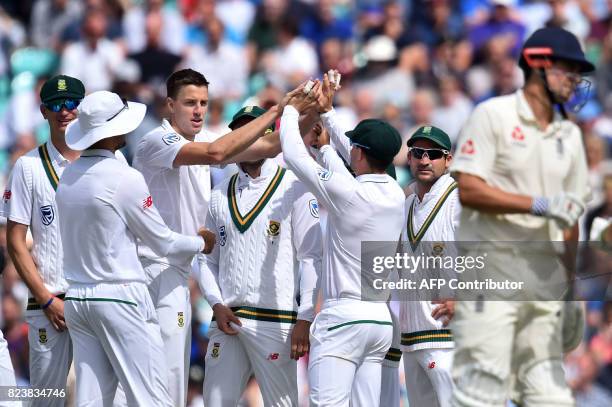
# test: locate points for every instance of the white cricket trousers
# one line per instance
(499, 340)
(348, 342)
(428, 377)
(390, 386)
(262, 348)
(116, 338)
(169, 290)
(50, 356)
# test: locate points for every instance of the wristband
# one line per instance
(539, 207)
(48, 303)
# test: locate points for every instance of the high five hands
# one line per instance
(313, 94)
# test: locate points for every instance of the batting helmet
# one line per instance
(551, 43)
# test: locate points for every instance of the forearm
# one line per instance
(26, 268)
(228, 146)
(209, 282)
(310, 270)
(475, 193)
(268, 146)
(337, 134)
(294, 151)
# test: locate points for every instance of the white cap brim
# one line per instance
(125, 122)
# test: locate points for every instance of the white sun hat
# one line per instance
(101, 115)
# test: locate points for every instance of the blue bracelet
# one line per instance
(48, 303)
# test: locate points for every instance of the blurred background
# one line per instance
(411, 62)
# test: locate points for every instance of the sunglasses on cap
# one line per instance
(432, 153)
(358, 145)
(57, 105)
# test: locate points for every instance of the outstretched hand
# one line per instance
(325, 96)
(302, 100)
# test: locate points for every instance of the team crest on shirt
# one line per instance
(222, 235)
(273, 228)
(437, 249)
(42, 335)
(171, 138)
(181, 319)
(215, 350)
(324, 174)
(313, 205)
(47, 214)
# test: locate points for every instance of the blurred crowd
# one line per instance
(411, 62)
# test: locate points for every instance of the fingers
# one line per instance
(299, 347)
(226, 327)
(439, 312)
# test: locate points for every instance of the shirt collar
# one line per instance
(56, 157)
(378, 178)
(98, 153)
(268, 169)
(437, 188)
(525, 112)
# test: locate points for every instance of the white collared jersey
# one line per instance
(367, 208)
(268, 248)
(29, 199)
(181, 194)
(114, 209)
(430, 224)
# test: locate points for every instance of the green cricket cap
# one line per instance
(62, 87)
(378, 138)
(252, 112)
(433, 134)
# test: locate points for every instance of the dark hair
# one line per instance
(182, 78)
(376, 163)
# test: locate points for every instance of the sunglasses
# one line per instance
(432, 153)
(358, 145)
(57, 105)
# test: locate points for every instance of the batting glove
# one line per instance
(565, 209)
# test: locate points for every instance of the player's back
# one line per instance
(374, 213)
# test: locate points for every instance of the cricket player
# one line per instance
(350, 336)
(522, 175)
(261, 280)
(29, 203)
(432, 215)
(104, 208)
(174, 160)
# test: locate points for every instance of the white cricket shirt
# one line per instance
(104, 206)
(269, 243)
(367, 208)
(502, 144)
(29, 199)
(181, 194)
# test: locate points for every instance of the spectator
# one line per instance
(222, 63)
(95, 58)
(454, 108)
(566, 14)
(421, 110)
(155, 63)
(293, 61)
(49, 20)
(324, 24)
(500, 31)
(173, 36)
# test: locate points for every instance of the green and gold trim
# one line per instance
(415, 239)
(33, 305)
(48, 165)
(243, 222)
(394, 355)
(360, 321)
(97, 299)
(265, 314)
(435, 335)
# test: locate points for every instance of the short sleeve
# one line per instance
(17, 197)
(159, 149)
(476, 146)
